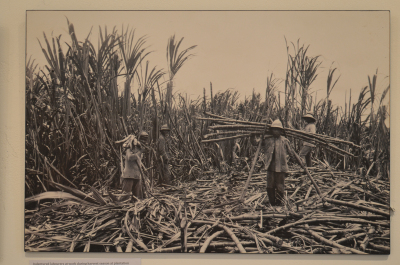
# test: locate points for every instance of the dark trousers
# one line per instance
(275, 187)
(305, 154)
(164, 174)
(134, 186)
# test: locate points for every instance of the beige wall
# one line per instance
(12, 48)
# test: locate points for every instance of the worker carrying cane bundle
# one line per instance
(308, 147)
(131, 177)
(276, 149)
(146, 149)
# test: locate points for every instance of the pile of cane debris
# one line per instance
(206, 216)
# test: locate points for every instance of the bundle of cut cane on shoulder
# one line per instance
(227, 129)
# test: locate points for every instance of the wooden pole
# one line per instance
(309, 175)
(204, 100)
(241, 199)
(212, 100)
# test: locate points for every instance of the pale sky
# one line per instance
(239, 49)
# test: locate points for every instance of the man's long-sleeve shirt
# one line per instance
(275, 150)
(162, 148)
(132, 162)
(311, 129)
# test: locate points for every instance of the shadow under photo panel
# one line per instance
(207, 132)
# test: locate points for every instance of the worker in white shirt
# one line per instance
(307, 148)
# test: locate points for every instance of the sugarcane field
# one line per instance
(126, 152)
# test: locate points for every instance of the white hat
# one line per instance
(309, 116)
(277, 124)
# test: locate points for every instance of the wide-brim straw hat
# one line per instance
(309, 116)
(143, 134)
(277, 124)
(164, 128)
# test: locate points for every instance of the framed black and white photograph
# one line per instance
(207, 132)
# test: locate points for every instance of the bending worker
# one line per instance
(307, 148)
